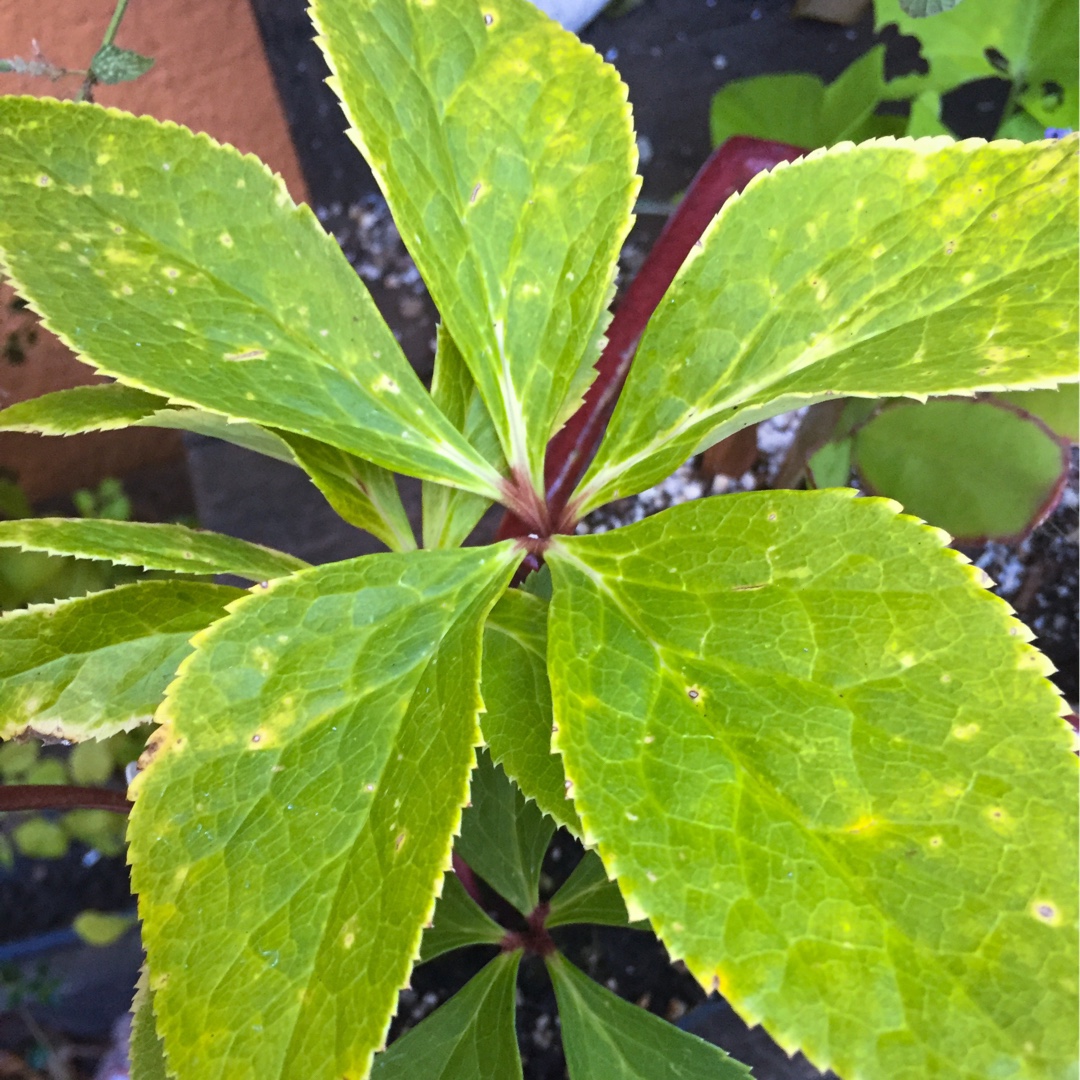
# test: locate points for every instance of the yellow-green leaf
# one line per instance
(823, 761)
(89, 667)
(183, 268)
(505, 150)
(894, 268)
(304, 787)
(154, 546)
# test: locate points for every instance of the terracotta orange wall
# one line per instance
(210, 74)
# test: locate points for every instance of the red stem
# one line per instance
(61, 797)
(727, 171)
(468, 879)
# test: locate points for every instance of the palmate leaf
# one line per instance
(311, 769)
(182, 268)
(822, 760)
(153, 546)
(891, 268)
(606, 1038)
(469, 1037)
(92, 666)
(974, 468)
(505, 151)
(517, 720)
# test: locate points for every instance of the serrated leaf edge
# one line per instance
(60, 730)
(488, 481)
(133, 558)
(596, 487)
(712, 978)
(164, 739)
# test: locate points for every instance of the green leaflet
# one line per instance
(155, 547)
(183, 268)
(823, 761)
(113, 405)
(90, 667)
(606, 1038)
(309, 774)
(111, 64)
(891, 268)
(449, 514)
(588, 896)
(145, 1050)
(470, 1037)
(364, 494)
(82, 408)
(801, 110)
(217, 426)
(503, 836)
(458, 921)
(517, 720)
(973, 468)
(505, 150)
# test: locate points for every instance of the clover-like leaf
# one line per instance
(800, 109)
(902, 268)
(222, 294)
(469, 1037)
(153, 546)
(823, 761)
(977, 469)
(517, 719)
(309, 774)
(505, 151)
(92, 666)
(1058, 409)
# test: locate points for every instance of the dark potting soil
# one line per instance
(631, 963)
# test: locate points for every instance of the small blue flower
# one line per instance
(1057, 133)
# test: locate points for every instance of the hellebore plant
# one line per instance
(794, 728)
